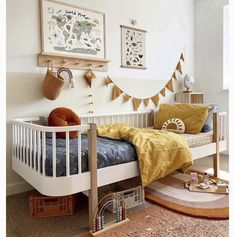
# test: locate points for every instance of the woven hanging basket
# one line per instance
(52, 84)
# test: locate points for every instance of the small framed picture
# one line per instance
(133, 47)
(71, 30)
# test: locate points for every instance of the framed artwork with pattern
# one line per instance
(133, 47)
(71, 30)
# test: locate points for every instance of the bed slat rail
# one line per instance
(222, 117)
(79, 153)
(67, 155)
(29, 144)
(136, 119)
(29, 138)
(54, 153)
(43, 153)
(34, 148)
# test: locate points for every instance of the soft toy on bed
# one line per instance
(64, 117)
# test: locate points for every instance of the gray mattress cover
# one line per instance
(109, 152)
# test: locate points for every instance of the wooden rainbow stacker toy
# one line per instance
(118, 203)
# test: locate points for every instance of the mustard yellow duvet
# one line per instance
(159, 152)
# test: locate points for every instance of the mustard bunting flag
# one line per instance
(174, 76)
(126, 98)
(155, 99)
(108, 81)
(182, 57)
(178, 67)
(169, 85)
(116, 92)
(163, 91)
(136, 103)
(146, 102)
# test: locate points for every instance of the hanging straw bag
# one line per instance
(52, 84)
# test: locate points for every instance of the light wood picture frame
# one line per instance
(72, 31)
(133, 53)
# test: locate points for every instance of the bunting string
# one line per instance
(155, 99)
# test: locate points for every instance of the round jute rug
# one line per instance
(170, 192)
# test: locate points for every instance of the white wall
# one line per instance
(209, 52)
(170, 29)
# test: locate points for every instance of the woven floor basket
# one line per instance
(52, 85)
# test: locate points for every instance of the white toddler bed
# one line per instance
(30, 134)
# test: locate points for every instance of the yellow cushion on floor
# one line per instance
(193, 116)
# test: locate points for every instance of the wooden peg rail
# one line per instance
(72, 62)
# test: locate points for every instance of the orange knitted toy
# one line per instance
(64, 117)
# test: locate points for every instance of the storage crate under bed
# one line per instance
(131, 190)
(44, 206)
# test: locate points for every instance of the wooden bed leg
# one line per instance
(216, 164)
(216, 156)
(92, 156)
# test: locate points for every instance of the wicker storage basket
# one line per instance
(52, 84)
(44, 206)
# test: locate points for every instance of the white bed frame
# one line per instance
(29, 134)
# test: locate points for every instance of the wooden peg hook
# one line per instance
(49, 64)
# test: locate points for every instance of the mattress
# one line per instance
(109, 152)
(196, 140)
(200, 139)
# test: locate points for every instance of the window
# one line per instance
(226, 47)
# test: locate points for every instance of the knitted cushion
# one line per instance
(64, 117)
(193, 116)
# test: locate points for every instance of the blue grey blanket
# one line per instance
(109, 152)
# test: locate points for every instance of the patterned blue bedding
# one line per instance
(109, 152)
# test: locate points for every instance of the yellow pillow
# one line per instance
(193, 116)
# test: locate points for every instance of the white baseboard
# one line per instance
(18, 188)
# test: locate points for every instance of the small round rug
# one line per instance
(171, 193)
